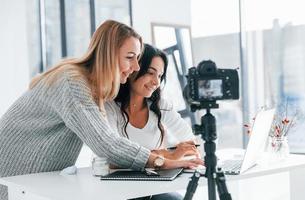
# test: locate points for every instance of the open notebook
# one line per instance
(146, 175)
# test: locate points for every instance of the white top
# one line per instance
(176, 129)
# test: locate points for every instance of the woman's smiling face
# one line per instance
(128, 58)
(150, 81)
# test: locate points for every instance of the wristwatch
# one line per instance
(159, 162)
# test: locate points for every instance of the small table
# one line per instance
(52, 185)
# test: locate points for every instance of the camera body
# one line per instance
(207, 83)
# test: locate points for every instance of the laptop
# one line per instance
(256, 145)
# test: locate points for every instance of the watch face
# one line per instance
(159, 162)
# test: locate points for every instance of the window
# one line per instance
(77, 24)
(274, 55)
(176, 42)
(63, 28)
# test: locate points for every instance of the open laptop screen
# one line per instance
(258, 138)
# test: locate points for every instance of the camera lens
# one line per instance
(206, 67)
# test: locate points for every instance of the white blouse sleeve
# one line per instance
(177, 129)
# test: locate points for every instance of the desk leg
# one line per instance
(19, 194)
(297, 182)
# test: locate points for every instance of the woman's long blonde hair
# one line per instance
(100, 64)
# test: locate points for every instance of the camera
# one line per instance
(207, 83)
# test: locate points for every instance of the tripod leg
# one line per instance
(192, 186)
(211, 187)
(222, 187)
(210, 161)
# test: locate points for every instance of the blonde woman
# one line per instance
(45, 128)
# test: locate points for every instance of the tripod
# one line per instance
(207, 130)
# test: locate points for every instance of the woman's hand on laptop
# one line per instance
(188, 148)
(179, 152)
(187, 164)
(183, 149)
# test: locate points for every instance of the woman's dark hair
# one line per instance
(123, 97)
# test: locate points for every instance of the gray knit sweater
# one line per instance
(45, 128)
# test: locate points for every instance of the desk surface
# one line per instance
(85, 186)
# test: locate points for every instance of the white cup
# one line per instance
(100, 166)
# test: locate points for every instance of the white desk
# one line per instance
(84, 186)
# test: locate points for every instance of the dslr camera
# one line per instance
(206, 84)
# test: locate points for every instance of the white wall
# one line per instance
(177, 12)
(223, 49)
(14, 67)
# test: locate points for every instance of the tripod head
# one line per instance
(207, 128)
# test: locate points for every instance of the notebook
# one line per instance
(147, 175)
(256, 144)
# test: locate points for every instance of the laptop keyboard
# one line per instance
(231, 167)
